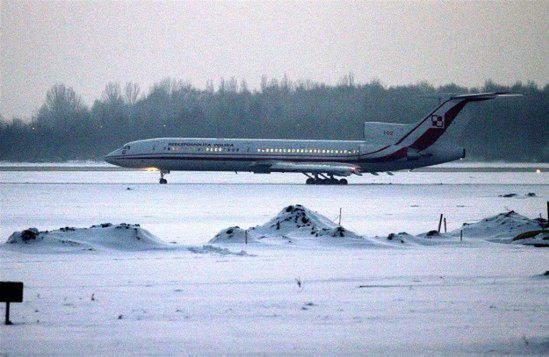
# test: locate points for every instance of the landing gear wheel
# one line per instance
(163, 181)
(323, 180)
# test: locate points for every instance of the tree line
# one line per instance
(64, 128)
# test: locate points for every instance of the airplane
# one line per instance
(386, 147)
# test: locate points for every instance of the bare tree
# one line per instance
(244, 86)
(131, 93)
(60, 99)
(112, 93)
(61, 107)
(168, 86)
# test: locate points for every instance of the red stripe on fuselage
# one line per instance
(399, 154)
(373, 152)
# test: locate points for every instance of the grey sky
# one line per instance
(88, 44)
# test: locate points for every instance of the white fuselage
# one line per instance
(209, 154)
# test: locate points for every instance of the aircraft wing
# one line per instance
(329, 168)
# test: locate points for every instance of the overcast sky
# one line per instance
(87, 44)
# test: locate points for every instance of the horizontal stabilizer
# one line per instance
(485, 96)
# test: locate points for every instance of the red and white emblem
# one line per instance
(437, 121)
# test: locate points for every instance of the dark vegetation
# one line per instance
(65, 129)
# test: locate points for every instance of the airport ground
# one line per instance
(469, 299)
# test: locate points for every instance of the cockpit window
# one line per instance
(127, 147)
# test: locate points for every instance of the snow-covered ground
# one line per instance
(194, 207)
(211, 298)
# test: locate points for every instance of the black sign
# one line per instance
(11, 291)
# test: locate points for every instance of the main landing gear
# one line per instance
(163, 181)
(320, 179)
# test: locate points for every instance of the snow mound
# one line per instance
(295, 225)
(124, 237)
(500, 228)
(297, 220)
(231, 235)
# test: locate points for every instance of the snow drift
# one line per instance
(508, 227)
(124, 237)
(536, 238)
(210, 249)
(430, 238)
(295, 225)
(501, 228)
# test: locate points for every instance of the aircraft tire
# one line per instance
(343, 182)
(163, 181)
(310, 181)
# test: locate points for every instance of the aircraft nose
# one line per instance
(110, 157)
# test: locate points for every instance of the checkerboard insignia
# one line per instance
(437, 121)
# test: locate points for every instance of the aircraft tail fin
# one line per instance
(427, 131)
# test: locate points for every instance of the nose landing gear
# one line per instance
(163, 181)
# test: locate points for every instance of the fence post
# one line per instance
(445, 229)
(7, 321)
(440, 222)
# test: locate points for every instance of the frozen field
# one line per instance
(470, 299)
